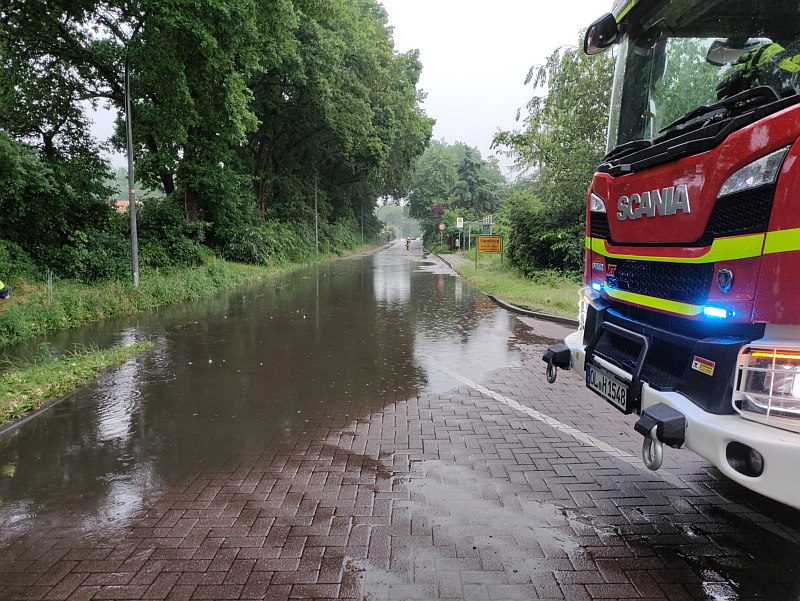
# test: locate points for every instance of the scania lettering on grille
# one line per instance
(667, 201)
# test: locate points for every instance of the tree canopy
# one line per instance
(244, 114)
(454, 177)
(561, 142)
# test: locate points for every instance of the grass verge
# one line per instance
(29, 312)
(28, 387)
(547, 292)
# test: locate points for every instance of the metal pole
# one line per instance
(316, 213)
(131, 180)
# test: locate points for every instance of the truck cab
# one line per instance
(690, 317)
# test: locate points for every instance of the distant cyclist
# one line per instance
(408, 243)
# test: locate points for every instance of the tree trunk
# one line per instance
(190, 205)
(167, 179)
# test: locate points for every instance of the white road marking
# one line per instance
(754, 517)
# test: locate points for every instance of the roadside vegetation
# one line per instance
(261, 131)
(547, 291)
(27, 386)
(33, 311)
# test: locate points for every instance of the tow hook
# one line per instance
(556, 356)
(660, 425)
(652, 450)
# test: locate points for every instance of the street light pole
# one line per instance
(131, 187)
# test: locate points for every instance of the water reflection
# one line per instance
(239, 374)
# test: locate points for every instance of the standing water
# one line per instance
(251, 369)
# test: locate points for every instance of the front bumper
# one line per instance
(712, 435)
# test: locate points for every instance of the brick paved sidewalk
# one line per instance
(508, 488)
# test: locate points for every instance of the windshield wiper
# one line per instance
(738, 104)
(626, 149)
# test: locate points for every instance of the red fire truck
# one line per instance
(690, 317)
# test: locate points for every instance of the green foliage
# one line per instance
(56, 211)
(244, 113)
(276, 242)
(16, 264)
(27, 387)
(166, 237)
(563, 140)
(453, 176)
(249, 245)
(440, 249)
(90, 255)
(689, 82)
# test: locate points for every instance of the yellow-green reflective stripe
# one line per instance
(782, 241)
(655, 303)
(722, 249)
(625, 10)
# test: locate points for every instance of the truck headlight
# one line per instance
(768, 386)
(596, 204)
(761, 172)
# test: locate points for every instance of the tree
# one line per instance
(435, 175)
(563, 141)
(244, 112)
(474, 190)
(454, 177)
(342, 111)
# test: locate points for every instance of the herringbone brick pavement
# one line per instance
(489, 492)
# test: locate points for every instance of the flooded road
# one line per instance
(368, 429)
(229, 374)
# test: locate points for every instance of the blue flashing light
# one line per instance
(717, 312)
(597, 286)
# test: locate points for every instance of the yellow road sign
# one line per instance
(490, 244)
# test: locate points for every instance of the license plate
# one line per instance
(608, 386)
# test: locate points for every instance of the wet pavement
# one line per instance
(371, 430)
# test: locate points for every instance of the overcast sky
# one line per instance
(476, 54)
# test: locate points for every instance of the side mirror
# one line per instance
(601, 34)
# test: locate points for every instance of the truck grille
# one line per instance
(598, 226)
(743, 213)
(685, 283)
(747, 212)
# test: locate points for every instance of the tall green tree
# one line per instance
(341, 112)
(454, 176)
(474, 190)
(562, 141)
(244, 111)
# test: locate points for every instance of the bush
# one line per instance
(167, 238)
(88, 256)
(539, 239)
(16, 263)
(247, 244)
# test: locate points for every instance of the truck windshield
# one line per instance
(685, 54)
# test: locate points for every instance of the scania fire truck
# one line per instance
(690, 314)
